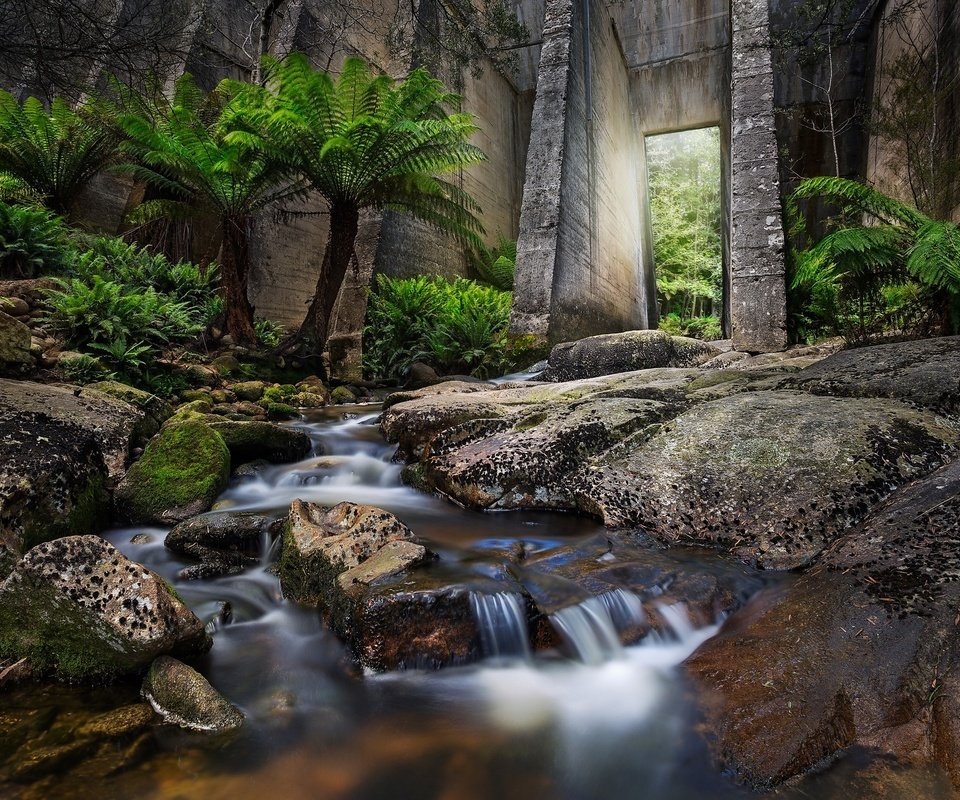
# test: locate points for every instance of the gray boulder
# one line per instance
(249, 441)
(15, 354)
(624, 352)
(223, 541)
(183, 697)
(80, 609)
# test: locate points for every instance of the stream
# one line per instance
(587, 720)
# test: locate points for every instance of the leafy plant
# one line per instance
(49, 155)
(32, 242)
(495, 265)
(269, 333)
(364, 142)
(130, 358)
(707, 328)
(457, 327)
(86, 369)
(882, 265)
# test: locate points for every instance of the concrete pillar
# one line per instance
(758, 302)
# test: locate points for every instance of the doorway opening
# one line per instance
(686, 216)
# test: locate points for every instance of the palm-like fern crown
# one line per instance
(898, 240)
(364, 141)
(183, 148)
(48, 156)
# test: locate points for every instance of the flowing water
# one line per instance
(590, 719)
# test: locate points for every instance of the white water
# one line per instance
(502, 620)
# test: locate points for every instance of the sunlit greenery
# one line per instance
(684, 184)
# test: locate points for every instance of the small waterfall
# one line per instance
(589, 630)
(624, 607)
(502, 621)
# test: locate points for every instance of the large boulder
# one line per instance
(321, 543)
(223, 542)
(182, 696)
(80, 609)
(15, 357)
(772, 477)
(180, 474)
(250, 441)
(925, 372)
(60, 448)
(624, 352)
(862, 651)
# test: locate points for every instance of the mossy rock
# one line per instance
(180, 475)
(226, 365)
(250, 441)
(191, 395)
(249, 390)
(78, 608)
(280, 411)
(182, 696)
(342, 395)
(156, 410)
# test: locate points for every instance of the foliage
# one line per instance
(48, 156)
(269, 333)
(185, 151)
(86, 369)
(882, 266)
(32, 242)
(684, 181)
(457, 327)
(495, 265)
(707, 328)
(363, 142)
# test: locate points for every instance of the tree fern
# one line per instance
(49, 155)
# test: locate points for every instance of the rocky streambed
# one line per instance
(782, 526)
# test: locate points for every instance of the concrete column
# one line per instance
(758, 303)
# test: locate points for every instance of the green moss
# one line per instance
(184, 468)
(277, 411)
(190, 395)
(342, 395)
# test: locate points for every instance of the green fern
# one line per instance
(496, 265)
(32, 242)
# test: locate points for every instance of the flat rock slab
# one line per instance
(77, 607)
(862, 650)
(925, 372)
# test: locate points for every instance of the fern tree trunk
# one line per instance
(234, 268)
(344, 223)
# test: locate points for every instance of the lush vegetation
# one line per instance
(881, 268)
(32, 242)
(457, 328)
(495, 265)
(684, 182)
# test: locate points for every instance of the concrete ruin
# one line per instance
(566, 133)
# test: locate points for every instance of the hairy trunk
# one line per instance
(344, 222)
(234, 266)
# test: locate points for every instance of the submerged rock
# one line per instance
(77, 607)
(179, 475)
(623, 352)
(249, 441)
(863, 650)
(182, 696)
(223, 541)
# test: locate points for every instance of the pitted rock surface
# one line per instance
(772, 477)
(79, 607)
(321, 543)
(925, 372)
(624, 352)
(863, 650)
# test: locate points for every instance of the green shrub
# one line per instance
(496, 265)
(32, 242)
(269, 333)
(457, 327)
(707, 328)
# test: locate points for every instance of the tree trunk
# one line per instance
(234, 266)
(344, 222)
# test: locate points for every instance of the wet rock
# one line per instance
(155, 409)
(391, 559)
(182, 696)
(320, 543)
(179, 475)
(623, 352)
(341, 394)
(118, 722)
(861, 651)
(490, 464)
(421, 374)
(249, 441)
(772, 477)
(925, 372)
(76, 606)
(15, 356)
(224, 542)
(141, 538)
